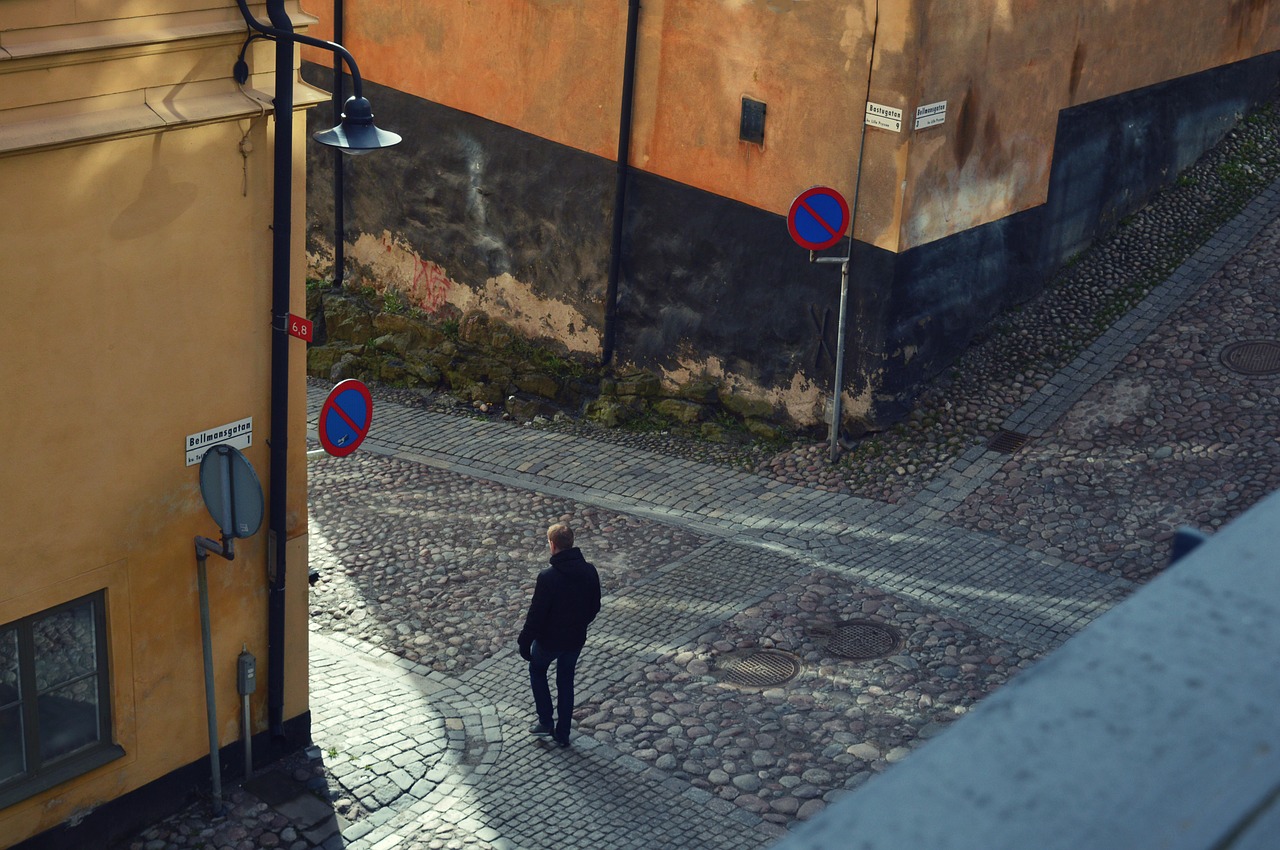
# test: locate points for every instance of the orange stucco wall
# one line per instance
(554, 68)
(549, 67)
(1005, 68)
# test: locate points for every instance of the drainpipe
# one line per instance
(339, 205)
(620, 193)
(837, 396)
(281, 231)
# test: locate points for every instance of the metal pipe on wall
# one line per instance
(339, 207)
(620, 192)
(837, 396)
(281, 226)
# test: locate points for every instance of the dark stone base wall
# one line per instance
(478, 198)
(1112, 155)
(705, 278)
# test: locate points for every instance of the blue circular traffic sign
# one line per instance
(818, 218)
(345, 418)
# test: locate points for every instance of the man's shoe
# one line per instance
(564, 742)
(541, 729)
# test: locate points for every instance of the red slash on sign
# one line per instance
(345, 418)
(818, 218)
(300, 327)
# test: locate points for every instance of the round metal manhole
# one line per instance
(862, 640)
(1256, 357)
(761, 669)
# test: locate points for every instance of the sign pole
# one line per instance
(233, 496)
(210, 704)
(837, 395)
(818, 220)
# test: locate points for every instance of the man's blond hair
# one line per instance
(560, 536)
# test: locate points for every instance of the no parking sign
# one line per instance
(818, 218)
(345, 418)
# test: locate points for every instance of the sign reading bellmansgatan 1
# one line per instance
(238, 435)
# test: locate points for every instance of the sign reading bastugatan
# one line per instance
(238, 434)
(884, 117)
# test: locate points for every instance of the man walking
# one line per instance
(565, 601)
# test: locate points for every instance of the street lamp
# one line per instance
(356, 134)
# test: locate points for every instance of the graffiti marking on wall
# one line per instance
(430, 286)
(424, 283)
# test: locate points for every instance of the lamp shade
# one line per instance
(357, 133)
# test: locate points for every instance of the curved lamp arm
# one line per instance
(356, 134)
(289, 35)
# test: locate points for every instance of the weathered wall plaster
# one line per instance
(392, 264)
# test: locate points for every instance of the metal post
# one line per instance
(620, 188)
(211, 708)
(248, 736)
(281, 236)
(836, 400)
(339, 159)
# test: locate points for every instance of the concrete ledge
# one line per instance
(1153, 727)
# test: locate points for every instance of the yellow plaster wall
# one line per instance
(139, 297)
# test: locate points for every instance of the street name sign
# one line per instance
(931, 114)
(884, 117)
(238, 434)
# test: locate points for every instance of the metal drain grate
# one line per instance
(1257, 357)
(863, 639)
(1007, 442)
(761, 669)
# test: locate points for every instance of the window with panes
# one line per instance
(55, 697)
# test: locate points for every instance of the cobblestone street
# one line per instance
(428, 539)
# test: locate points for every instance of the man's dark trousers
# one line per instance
(566, 661)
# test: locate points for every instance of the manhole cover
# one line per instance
(1259, 357)
(764, 668)
(863, 639)
(1007, 442)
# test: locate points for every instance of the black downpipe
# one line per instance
(281, 230)
(339, 205)
(620, 193)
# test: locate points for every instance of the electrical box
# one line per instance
(751, 126)
(246, 673)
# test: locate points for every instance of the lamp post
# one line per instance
(356, 134)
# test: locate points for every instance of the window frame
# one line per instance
(38, 775)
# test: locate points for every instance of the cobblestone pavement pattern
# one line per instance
(427, 541)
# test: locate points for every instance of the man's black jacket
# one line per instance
(565, 601)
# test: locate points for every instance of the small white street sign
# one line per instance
(931, 115)
(238, 434)
(884, 117)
